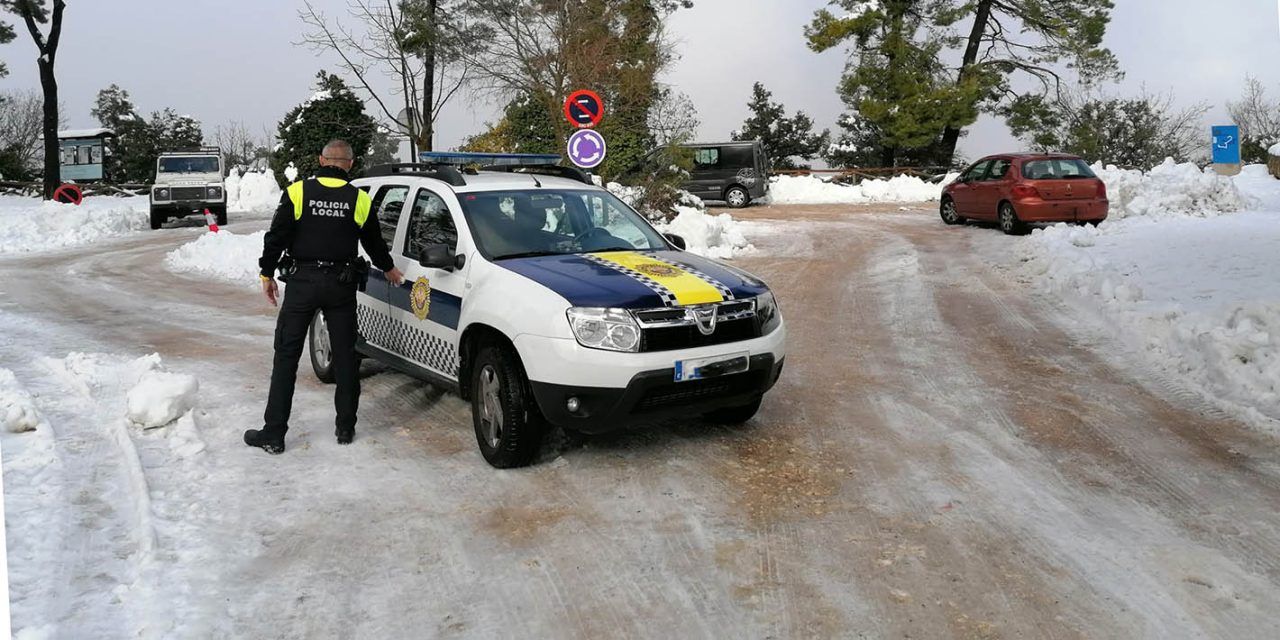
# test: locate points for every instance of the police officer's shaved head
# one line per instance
(337, 153)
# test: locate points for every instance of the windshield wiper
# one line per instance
(612, 249)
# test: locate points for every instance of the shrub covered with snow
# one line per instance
(224, 255)
(27, 224)
(253, 191)
(1169, 188)
(814, 190)
(714, 236)
(160, 397)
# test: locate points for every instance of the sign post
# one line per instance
(1226, 149)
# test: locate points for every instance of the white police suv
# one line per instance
(542, 298)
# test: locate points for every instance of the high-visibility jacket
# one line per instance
(323, 218)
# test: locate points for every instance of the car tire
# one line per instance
(509, 428)
(221, 215)
(1009, 222)
(737, 197)
(948, 212)
(734, 415)
(157, 219)
(321, 349)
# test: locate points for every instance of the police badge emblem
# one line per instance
(658, 270)
(420, 298)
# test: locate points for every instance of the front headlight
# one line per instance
(215, 193)
(609, 329)
(162, 194)
(767, 311)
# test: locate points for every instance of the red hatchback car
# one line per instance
(1018, 188)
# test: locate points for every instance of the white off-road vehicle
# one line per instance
(187, 183)
(544, 299)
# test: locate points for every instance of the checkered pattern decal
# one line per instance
(720, 286)
(668, 298)
(374, 327)
(409, 341)
(420, 346)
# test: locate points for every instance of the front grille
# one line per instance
(667, 329)
(188, 193)
(688, 336)
(678, 393)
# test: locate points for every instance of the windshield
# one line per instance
(193, 164)
(1056, 169)
(511, 224)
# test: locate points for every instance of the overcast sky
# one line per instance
(224, 60)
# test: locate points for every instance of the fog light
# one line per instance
(572, 405)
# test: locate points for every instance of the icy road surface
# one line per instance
(940, 459)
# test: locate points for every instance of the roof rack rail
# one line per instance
(558, 171)
(443, 172)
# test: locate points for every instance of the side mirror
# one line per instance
(437, 256)
(678, 241)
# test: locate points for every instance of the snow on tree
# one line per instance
(333, 111)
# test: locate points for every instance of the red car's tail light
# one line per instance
(1024, 191)
(1102, 190)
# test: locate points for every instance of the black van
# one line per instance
(735, 172)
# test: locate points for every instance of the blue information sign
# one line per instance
(1226, 144)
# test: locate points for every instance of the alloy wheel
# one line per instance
(491, 405)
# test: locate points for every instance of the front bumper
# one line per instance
(653, 395)
(187, 207)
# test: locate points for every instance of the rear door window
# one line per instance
(737, 158)
(999, 169)
(388, 204)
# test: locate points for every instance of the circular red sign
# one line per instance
(68, 193)
(584, 109)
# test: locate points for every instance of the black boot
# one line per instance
(345, 436)
(258, 438)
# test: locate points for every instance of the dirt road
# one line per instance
(945, 456)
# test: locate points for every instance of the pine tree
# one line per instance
(332, 112)
(997, 42)
(785, 139)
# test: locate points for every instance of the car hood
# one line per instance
(637, 280)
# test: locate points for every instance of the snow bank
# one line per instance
(1171, 277)
(254, 191)
(160, 397)
(1170, 188)
(27, 224)
(814, 190)
(17, 409)
(224, 255)
(714, 236)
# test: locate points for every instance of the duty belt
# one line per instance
(322, 264)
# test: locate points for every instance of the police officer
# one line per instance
(318, 222)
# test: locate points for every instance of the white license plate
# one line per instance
(712, 367)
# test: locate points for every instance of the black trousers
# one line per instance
(308, 291)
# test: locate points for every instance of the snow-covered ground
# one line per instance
(225, 256)
(1185, 272)
(814, 190)
(28, 224)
